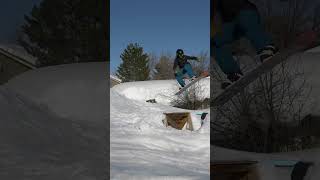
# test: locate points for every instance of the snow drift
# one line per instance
(37, 142)
(161, 90)
(142, 148)
(75, 91)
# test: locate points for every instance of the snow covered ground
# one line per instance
(266, 162)
(54, 124)
(75, 91)
(141, 147)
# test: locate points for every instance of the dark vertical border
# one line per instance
(107, 76)
(211, 75)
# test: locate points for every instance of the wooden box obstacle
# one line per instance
(234, 170)
(178, 120)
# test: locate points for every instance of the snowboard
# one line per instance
(252, 75)
(203, 75)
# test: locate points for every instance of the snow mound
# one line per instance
(36, 144)
(75, 91)
(161, 90)
(141, 147)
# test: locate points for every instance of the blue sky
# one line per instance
(12, 17)
(159, 26)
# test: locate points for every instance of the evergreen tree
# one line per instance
(66, 31)
(134, 66)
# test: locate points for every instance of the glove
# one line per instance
(177, 71)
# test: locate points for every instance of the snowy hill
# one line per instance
(41, 135)
(71, 91)
(141, 147)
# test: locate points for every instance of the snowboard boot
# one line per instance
(233, 77)
(300, 170)
(193, 78)
(267, 52)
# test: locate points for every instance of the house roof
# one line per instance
(115, 78)
(17, 53)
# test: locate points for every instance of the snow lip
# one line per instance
(161, 90)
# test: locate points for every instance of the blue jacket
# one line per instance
(182, 61)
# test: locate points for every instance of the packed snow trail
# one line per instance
(141, 147)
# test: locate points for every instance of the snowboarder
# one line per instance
(239, 18)
(181, 67)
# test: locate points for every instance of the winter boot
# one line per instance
(267, 52)
(233, 77)
(300, 170)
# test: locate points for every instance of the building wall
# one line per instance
(10, 68)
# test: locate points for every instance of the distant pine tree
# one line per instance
(134, 66)
(66, 31)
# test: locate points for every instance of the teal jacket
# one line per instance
(180, 62)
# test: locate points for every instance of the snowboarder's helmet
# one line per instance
(179, 52)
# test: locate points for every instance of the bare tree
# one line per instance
(202, 65)
(265, 116)
(163, 68)
(262, 117)
(193, 98)
(285, 19)
(153, 60)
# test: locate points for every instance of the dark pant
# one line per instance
(246, 24)
(187, 69)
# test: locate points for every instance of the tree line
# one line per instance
(138, 65)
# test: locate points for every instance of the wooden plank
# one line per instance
(252, 75)
(189, 123)
(245, 162)
(234, 170)
(191, 83)
(177, 120)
